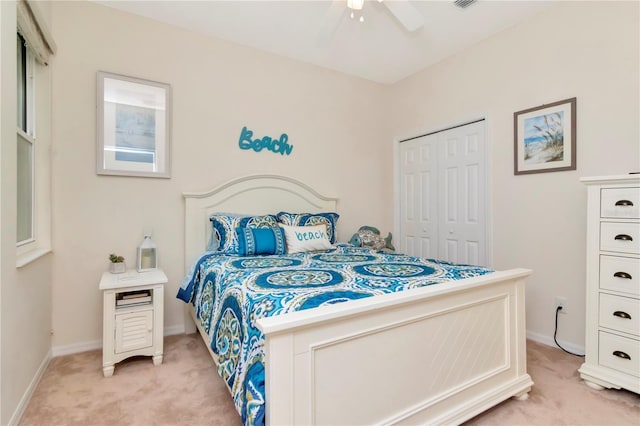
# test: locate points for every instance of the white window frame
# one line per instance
(40, 46)
(30, 140)
(30, 97)
(37, 245)
(30, 136)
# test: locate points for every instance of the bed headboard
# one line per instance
(256, 194)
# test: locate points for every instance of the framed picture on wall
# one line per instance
(133, 126)
(545, 138)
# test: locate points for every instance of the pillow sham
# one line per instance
(307, 219)
(260, 241)
(306, 238)
(225, 239)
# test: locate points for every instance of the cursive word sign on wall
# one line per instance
(278, 146)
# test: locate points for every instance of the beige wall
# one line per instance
(334, 122)
(588, 50)
(25, 303)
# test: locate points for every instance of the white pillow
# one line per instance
(306, 238)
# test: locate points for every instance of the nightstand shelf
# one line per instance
(133, 305)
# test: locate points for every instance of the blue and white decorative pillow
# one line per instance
(260, 241)
(302, 239)
(306, 219)
(224, 238)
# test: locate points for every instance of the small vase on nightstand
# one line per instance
(117, 268)
(116, 265)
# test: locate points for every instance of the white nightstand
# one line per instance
(132, 316)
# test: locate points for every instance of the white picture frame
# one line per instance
(133, 126)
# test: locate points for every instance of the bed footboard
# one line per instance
(438, 354)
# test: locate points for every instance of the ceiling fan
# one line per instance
(403, 11)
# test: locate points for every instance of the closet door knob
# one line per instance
(625, 203)
(622, 275)
(621, 314)
(623, 237)
(621, 354)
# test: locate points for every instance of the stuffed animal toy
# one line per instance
(369, 236)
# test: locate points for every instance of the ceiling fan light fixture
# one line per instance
(355, 4)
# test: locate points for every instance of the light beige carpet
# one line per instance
(186, 390)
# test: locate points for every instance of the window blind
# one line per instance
(33, 28)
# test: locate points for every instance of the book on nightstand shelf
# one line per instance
(133, 298)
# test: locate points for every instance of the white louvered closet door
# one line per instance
(443, 195)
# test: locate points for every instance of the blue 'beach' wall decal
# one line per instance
(278, 146)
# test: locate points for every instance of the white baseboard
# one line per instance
(548, 340)
(75, 348)
(179, 329)
(26, 397)
(173, 330)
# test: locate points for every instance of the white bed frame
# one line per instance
(435, 355)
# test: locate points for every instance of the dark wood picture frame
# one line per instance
(545, 138)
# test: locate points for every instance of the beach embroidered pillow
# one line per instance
(260, 241)
(225, 239)
(307, 219)
(301, 239)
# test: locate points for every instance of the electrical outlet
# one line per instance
(562, 301)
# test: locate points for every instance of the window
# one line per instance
(22, 83)
(26, 143)
(34, 48)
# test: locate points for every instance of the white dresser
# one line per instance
(613, 283)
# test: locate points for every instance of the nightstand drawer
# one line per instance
(134, 331)
(620, 274)
(620, 203)
(619, 353)
(620, 313)
(620, 237)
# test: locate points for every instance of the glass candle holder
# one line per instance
(147, 255)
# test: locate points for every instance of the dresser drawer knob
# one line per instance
(625, 203)
(621, 314)
(622, 275)
(621, 354)
(623, 237)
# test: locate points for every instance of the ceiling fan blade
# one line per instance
(405, 13)
(330, 22)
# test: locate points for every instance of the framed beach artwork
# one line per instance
(545, 138)
(133, 127)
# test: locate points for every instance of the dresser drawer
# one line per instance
(620, 237)
(620, 202)
(620, 313)
(619, 353)
(621, 274)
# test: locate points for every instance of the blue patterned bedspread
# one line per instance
(230, 293)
